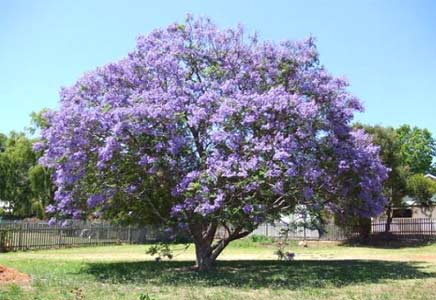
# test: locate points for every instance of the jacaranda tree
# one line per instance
(209, 129)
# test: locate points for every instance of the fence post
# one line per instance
(431, 227)
(60, 237)
(20, 237)
(129, 234)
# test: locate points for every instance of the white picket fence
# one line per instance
(330, 232)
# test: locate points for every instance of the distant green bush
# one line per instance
(258, 238)
(5, 240)
(253, 240)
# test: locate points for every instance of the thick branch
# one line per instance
(198, 144)
(153, 207)
(222, 244)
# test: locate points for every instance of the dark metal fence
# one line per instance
(406, 226)
(19, 235)
(26, 236)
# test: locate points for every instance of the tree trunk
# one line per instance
(389, 216)
(203, 236)
(204, 256)
(206, 251)
(364, 228)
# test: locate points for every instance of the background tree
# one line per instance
(433, 169)
(23, 183)
(422, 189)
(3, 140)
(16, 160)
(202, 129)
(417, 149)
(406, 151)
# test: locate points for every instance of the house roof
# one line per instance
(430, 176)
(409, 201)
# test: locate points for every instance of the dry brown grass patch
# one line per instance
(8, 275)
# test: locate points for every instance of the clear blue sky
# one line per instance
(385, 48)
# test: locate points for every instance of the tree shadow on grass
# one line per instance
(259, 273)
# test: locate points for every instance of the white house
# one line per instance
(415, 210)
(5, 206)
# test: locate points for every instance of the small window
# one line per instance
(402, 213)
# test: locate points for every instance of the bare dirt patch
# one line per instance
(8, 275)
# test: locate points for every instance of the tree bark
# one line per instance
(204, 258)
(203, 235)
(389, 215)
(205, 251)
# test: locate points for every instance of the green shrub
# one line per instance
(258, 238)
(5, 240)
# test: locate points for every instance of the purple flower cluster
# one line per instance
(242, 129)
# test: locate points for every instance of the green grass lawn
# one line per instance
(246, 270)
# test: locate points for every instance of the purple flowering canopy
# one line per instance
(208, 129)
